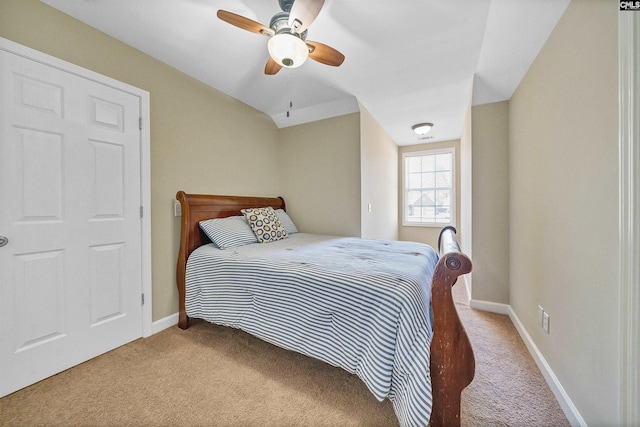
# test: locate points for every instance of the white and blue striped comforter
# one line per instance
(362, 305)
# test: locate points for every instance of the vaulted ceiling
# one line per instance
(407, 61)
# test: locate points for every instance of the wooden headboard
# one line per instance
(198, 207)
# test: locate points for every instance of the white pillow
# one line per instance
(265, 224)
(228, 232)
(284, 218)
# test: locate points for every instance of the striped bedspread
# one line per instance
(362, 305)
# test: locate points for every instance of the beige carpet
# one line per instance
(508, 388)
(216, 376)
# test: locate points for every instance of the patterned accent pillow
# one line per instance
(265, 224)
(285, 219)
(228, 232)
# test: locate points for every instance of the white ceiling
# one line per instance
(407, 61)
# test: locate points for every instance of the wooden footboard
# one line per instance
(452, 361)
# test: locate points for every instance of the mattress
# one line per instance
(362, 305)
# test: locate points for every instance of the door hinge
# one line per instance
(140, 123)
(141, 211)
(142, 299)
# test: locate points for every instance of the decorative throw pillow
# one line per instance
(228, 232)
(285, 219)
(265, 224)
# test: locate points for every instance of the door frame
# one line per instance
(629, 216)
(145, 157)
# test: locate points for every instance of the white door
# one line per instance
(70, 210)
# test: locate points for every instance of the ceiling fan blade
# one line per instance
(244, 23)
(324, 54)
(272, 67)
(303, 13)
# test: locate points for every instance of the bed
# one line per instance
(389, 317)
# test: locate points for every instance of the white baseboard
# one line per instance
(492, 307)
(165, 323)
(569, 409)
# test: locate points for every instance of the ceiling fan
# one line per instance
(288, 45)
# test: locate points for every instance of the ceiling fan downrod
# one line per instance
(285, 5)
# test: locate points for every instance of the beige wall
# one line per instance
(199, 136)
(428, 235)
(379, 178)
(490, 172)
(320, 175)
(563, 131)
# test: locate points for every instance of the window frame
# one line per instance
(426, 152)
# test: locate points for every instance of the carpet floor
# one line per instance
(210, 375)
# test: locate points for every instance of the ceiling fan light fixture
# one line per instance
(288, 50)
(422, 128)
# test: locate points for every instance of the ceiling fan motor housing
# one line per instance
(280, 24)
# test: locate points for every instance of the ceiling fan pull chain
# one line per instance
(289, 94)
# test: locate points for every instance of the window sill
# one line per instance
(428, 224)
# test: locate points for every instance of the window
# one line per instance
(428, 188)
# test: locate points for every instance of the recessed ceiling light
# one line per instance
(422, 128)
